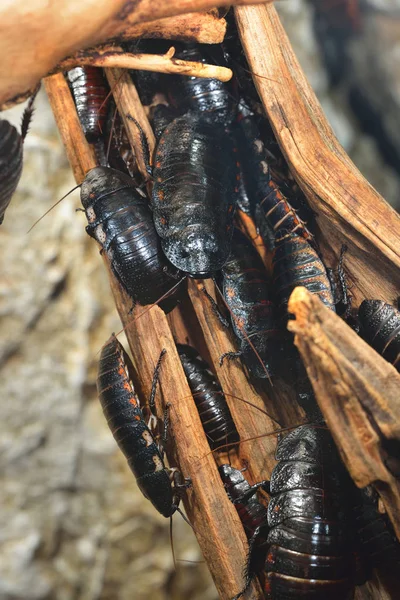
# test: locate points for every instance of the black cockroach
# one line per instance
(252, 514)
(211, 403)
(11, 155)
(125, 419)
(260, 185)
(380, 327)
(213, 99)
(247, 292)
(90, 91)
(311, 540)
(195, 188)
(120, 219)
(296, 263)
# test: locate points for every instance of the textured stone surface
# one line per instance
(73, 524)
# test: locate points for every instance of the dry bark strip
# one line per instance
(349, 210)
(112, 57)
(358, 392)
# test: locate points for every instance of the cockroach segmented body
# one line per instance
(125, 419)
(210, 401)
(296, 263)
(194, 195)
(247, 292)
(311, 540)
(90, 90)
(211, 98)
(380, 327)
(259, 182)
(120, 219)
(11, 154)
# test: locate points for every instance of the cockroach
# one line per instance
(120, 219)
(252, 514)
(311, 539)
(211, 403)
(247, 292)
(11, 155)
(261, 188)
(125, 418)
(194, 194)
(296, 263)
(90, 91)
(213, 99)
(378, 545)
(380, 327)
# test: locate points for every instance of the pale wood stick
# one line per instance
(80, 154)
(128, 103)
(348, 209)
(117, 58)
(357, 391)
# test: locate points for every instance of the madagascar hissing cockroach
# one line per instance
(213, 99)
(310, 545)
(134, 438)
(11, 155)
(194, 195)
(252, 514)
(210, 401)
(296, 263)
(90, 91)
(247, 292)
(380, 327)
(120, 219)
(261, 188)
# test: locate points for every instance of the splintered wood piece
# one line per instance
(128, 104)
(214, 518)
(80, 154)
(358, 392)
(203, 28)
(348, 208)
(116, 58)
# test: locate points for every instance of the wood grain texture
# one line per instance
(358, 393)
(348, 208)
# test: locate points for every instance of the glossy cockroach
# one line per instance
(296, 263)
(311, 541)
(261, 187)
(120, 219)
(247, 292)
(90, 91)
(210, 402)
(378, 545)
(11, 155)
(380, 327)
(195, 189)
(134, 438)
(213, 99)
(252, 514)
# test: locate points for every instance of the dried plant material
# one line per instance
(34, 38)
(112, 57)
(348, 209)
(358, 393)
(80, 154)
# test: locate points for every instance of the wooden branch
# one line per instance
(111, 57)
(128, 103)
(358, 392)
(33, 38)
(348, 209)
(80, 154)
(203, 28)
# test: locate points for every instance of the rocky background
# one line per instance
(73, 524)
